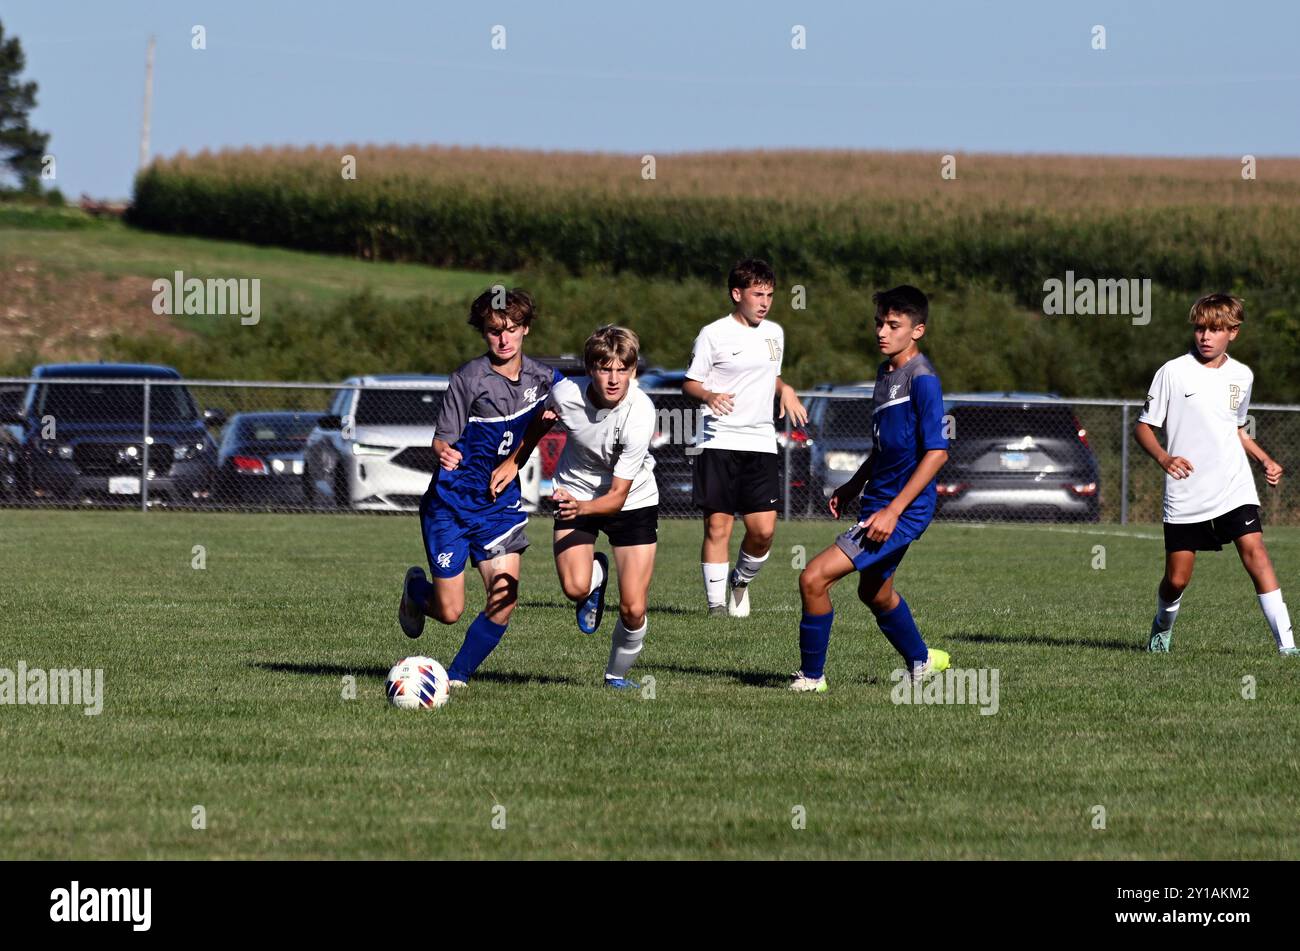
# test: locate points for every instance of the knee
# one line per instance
(574, 591)
(879, 603)
(447, 614)
(632, 611)
(811, 583)
(760, 540)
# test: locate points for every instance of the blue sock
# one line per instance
(899, 627)
(419, 591)
(814, 637)
(480, 640)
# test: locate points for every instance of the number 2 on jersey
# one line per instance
(506, 443)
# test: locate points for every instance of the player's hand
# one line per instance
(1177, 467)
(1272, 471)
(839, 500)
(502, 476)
(878, 526)
(790, 404)
(721, 403)
(566, 505)
(448, 457)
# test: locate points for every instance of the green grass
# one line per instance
(223, 689)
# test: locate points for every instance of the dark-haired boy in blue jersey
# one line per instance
(488, 405)
(908, 448)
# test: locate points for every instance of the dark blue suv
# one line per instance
(81, 437)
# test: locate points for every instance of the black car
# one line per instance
(260, 460)
(11, 403)
(81, 434)
(1023, 456)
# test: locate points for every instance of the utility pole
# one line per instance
(148, 105)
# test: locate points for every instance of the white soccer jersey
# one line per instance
(1201, 409)
(604, 444)
(732, 357)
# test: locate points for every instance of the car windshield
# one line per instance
(1013, 422)
(115, 402)
(847, 418)
(405, 407)
(277, 428)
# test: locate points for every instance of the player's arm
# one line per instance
(506, 472)
(720, 403)
(790, 403)
(880, 525)
(1272, 469)
(1176, 466)
(607, 504)
(453, 415)
(853, 488)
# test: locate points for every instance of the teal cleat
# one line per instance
(1289, 651)
(1160, 641)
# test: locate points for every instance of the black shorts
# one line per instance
(736, 481)
(1213, 534)
(623, 529)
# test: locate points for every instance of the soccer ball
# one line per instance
(417, 683)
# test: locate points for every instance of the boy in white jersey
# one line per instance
(735, 372)
(1201, 399)
(604, 481)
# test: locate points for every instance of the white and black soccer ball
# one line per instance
(417, 683)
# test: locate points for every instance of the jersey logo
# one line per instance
(444, 559)
(893, 390)
(530, 394)
(1193, 393)
(1234, 396)
(1147, 405)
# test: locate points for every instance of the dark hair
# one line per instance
(513, 306)
(904, 299)
(749, 272)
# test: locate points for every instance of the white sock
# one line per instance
(747, 566)
(1279, 619)
(624, 647)
(597, 576)
(715, 582)
(1166, 612)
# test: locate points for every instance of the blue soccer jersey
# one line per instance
(906, 423)
(484, 416)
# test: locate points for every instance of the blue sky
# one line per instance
(1189, 78)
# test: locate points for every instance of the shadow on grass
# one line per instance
(1038, 640)
(611, 603)
(337, 670)
(750, 678)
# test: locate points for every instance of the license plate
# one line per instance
(1015, 460)
(124, 485)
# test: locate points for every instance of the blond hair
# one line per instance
(611, 344)
(1218, 312)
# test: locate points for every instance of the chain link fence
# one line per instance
(364, 445)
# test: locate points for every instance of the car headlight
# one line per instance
(845, 460)
(54, 449)
(361, 449)
(185, 450)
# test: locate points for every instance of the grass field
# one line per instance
(223, 688)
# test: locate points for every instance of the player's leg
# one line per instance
(447, 549)
(815, 583)
(496, 555)
(713, 490)
(1254, 556)
(583, 571)
(636, 565)
(1178, 575)
(758, 494)
(894, 617)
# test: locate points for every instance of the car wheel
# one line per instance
(342, 496)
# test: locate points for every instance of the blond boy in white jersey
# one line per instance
(735, 372)
(1201, 400)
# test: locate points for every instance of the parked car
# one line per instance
(1023, 456)
(85, 441)
(839, 430)
(11, 403)
(260, 460)
(373, 449)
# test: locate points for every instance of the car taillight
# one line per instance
(951, 488)
(798, 435)
(1082, 489)
(249, 464)
(1082, 433)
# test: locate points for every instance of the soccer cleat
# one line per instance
(936, 661)
(737, 598)
(621, 683)
(717, 610)
(1160, 640)
(1289, 651)
(409, 613)
(592, 610)
(456, 684)
(802, 684)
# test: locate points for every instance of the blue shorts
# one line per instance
(880, 558)
(450, 537)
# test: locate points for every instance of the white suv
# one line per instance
(374, 449)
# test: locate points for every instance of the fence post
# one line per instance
(1123, 465)
(144, 455)
(786, 488)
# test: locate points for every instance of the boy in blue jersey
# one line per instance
(488, 405)
(908, 449)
